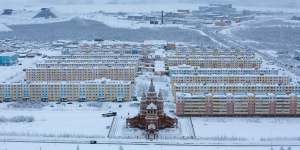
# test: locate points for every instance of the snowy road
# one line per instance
(143, 142)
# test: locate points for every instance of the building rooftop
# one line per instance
(8, 54)
(88, 82)
(196, 97)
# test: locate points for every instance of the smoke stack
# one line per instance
(162, 17)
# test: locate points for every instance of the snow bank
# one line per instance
(17, 119)
(4, 28)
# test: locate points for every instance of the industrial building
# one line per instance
(8, 58)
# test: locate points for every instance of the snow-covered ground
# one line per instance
(15, 72)
(38, 146)
(92, 12)
(4, 28)
(253, 129)
(61, 120)
(82, 121)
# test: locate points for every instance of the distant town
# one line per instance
(227, 86)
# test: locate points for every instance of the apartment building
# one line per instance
(122, 61)
(81, 73)
(196, 70)
(215, 63)
(215, 52)
(97, 57)
(242, 104)
(231, 79)
(87, 65)
(208, 56)
(213, 88)
(104, 89)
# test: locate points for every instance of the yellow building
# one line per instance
(195, 88)
(81, 73)
(230, 79)
(215, 63)
(104, 89)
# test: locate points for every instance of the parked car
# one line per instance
(109, 114)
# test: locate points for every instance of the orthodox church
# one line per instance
(151, 117)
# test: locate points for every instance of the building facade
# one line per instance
(104, 89)
(231, 79)
(8, 58)
(215, 63)
(81, 73)
(243, 104)
(213, 88)
(97, 57)
(195, 70)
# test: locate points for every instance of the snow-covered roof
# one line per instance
(83, 67)
(232, 84)
(226, 96)
(225, 75)
(151, 106)
(10, 54)
(102, 81)
(159, 66)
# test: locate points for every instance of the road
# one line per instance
(159, 143)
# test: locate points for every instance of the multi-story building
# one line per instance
(8, 58)
(243, 104)
(123, 61)
(209, 56)
(196, 88)
(88, 65)
(231, 79)
(81, 73)
(97, 57)
(205, 52)
(103, 89)
(195, 70)
(228, 83)
(215, 63)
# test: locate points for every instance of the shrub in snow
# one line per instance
(95, 104)
(17, 119)
(27, 104)
(22, 119)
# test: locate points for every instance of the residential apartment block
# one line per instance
(231, 79)
(229, 83)
(81, 73)
(196, 88)
(215, 63)
(104, 89)
(242, 104)
(196, 70)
